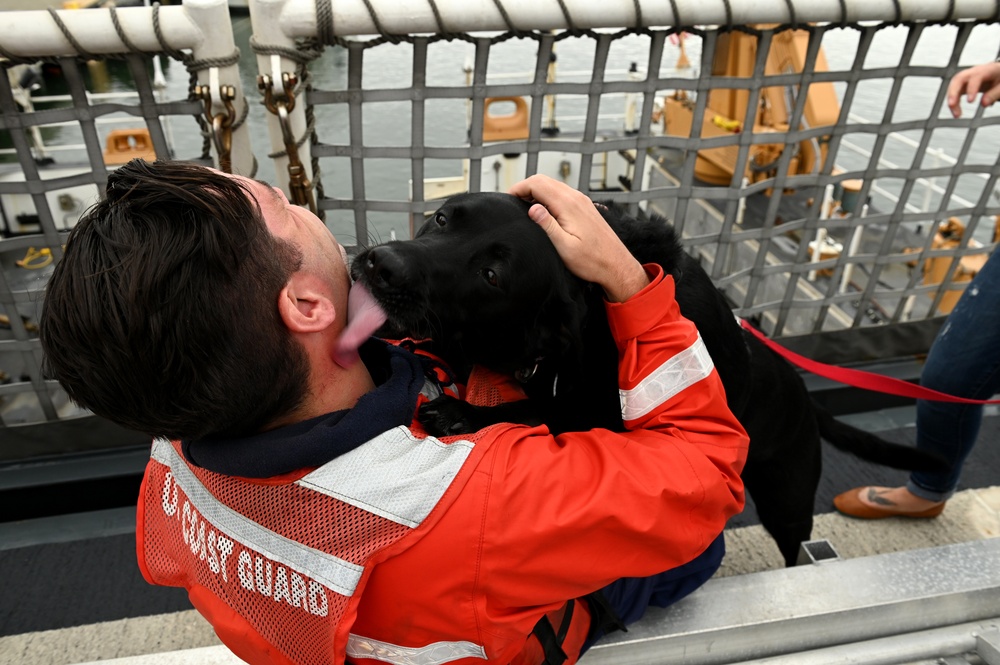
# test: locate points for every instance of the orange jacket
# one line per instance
(534, 520)
(545, 518)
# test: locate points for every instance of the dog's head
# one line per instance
(480, 279)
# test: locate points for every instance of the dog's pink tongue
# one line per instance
(364, 317)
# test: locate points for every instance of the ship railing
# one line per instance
(197, 35)
(890, 267)
(769, 218)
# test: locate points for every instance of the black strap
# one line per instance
(567, 620)
(551, 641)
(603, 618)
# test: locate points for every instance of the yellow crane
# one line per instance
(735, 56)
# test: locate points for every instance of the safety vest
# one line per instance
(277, 566)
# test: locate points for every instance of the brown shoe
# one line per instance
(849, 503)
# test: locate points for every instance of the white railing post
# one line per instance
(203, 26)
(266, 17)
(741, 208)
(630, 101)
(852, 249)
(217, 42)
(817, 244)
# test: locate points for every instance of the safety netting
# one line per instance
(803, 149)
(813, 166)
(88, 90)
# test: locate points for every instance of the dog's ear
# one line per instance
(559, 323)
(573, 321)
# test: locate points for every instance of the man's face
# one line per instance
(322, 255)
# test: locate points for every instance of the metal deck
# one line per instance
(892, 608)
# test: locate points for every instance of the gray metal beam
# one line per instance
(904, 649)
(789, 611)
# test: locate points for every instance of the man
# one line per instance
(304, 511)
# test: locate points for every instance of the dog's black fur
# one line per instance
(486, 285)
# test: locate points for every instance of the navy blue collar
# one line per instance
(399, 376)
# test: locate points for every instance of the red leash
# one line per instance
(860, 379)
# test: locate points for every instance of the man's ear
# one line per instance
(305, 306)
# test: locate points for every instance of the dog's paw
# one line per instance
(447, 416)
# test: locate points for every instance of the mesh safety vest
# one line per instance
(278, 566)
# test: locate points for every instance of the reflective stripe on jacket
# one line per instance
(277, 568)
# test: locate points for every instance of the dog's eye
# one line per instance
(440, 219)
(490, 277)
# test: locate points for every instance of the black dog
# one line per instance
(486, 285)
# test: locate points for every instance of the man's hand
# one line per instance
(983, 78)
(587, 245)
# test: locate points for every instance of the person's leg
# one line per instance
(629, 597)
(963, 361)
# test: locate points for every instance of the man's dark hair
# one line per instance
(162, 315)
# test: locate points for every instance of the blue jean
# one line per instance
(963, 361)
(630, 596)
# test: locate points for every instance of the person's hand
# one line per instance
(585, 242)
(983, 78)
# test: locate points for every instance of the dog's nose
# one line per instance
(385, 267)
